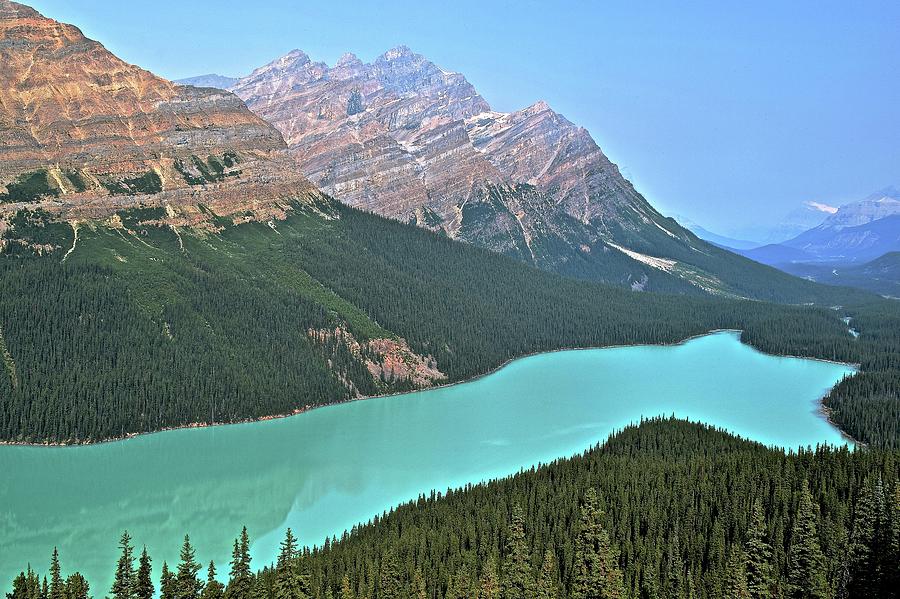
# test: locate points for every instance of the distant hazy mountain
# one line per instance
(855, 233)
(881, 275)
(723, 241)
(855, 246)
(880, 204)
(211, 80)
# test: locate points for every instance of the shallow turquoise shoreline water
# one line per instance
(324, 471)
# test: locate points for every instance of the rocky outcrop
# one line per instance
(389, 361)
(83, 132)
(406, 139)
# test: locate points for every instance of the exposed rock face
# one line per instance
(408, 140)
(81, 130)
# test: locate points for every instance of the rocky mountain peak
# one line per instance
(348, 59)
(399, 53)
(14, 10)
(407, 139)
(82, 131)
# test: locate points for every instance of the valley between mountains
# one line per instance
(236, 249)
(165, 262)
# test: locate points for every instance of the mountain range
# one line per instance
(407, 139)
(856, 232)
(86, 134)
(846, 248)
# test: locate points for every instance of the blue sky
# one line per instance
(724, 112)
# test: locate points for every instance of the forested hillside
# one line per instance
(135, 326)
(664, 509)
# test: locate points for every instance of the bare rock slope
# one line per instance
(408, 140)
(83, 133)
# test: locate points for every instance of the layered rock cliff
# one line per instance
(406, 139)
(82, 133)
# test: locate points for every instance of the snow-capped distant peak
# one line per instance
(820, 207)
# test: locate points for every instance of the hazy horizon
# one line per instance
(729, 117)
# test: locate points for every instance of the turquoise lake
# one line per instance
(323, 471)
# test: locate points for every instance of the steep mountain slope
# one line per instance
(408, 140)
(83, 134)
(163, 264)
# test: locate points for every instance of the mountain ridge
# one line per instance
(84, 134)
(407, 139)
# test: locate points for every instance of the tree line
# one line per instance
(665, 508)
(144, 328)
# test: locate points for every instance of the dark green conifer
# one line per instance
(57, 585)
(187, 584)
(391, 583)
(240, 580)
(758, 556)
(546, 583)
(77, 587)
(597, 574)
(861, 579)
(123, 586)
(213, 589)
(516, 580)
(460, 584)
(489, 584)
(806, 562)
(736, 586)
(419, 588)
(168, 584)
(144, 585)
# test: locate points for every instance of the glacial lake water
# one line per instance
(324, 471)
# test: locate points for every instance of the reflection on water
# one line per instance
(324, 471)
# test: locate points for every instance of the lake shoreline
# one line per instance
(823, 411)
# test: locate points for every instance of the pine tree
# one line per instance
(213, 589)
(187, 585)
(240, 581)
(419, 588)
(806, 563)
(597, 574)
(288, 549)
(516, 579)
(77, 587)
(168, 585)
(287, 581)
(675, 563)
(57, 586)
(736, 586)
(758, 556)
(144, 585)
(862, 555)
(460, 584)
(489, 584)
(391, 584)
(546, 583)
(20, 586)
(893, 578)
(123, 586)
(346, 589)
